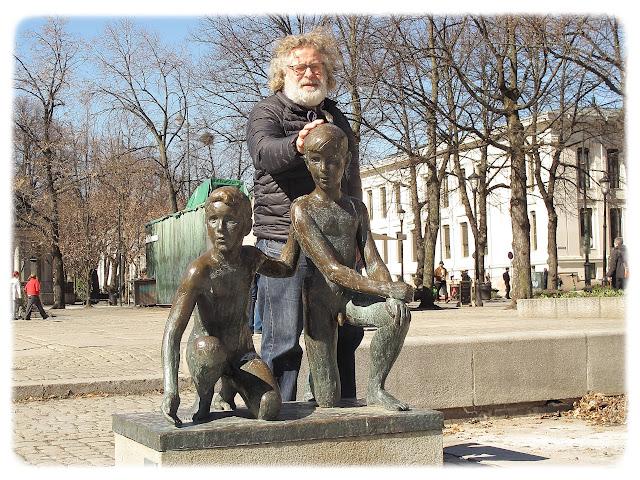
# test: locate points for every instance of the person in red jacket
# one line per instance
(33, 294)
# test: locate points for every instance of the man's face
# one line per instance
(327, 164)
(225, 226)
(308, 89)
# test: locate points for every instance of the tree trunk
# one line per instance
(521, 278)
(58, 277)
(552, 249)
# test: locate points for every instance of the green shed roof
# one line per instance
(202, 192)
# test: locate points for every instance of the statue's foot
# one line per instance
(386, 400)
(221, 404)
(200, 416)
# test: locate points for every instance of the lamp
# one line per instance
(605, 186)
(401, 213)
(474, 180)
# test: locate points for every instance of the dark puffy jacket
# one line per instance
(281, 175)
(617, 262)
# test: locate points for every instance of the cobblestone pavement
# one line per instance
(77, 432)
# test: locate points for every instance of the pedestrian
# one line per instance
(301, 73)
(618, 269)
(440, 276)
(545, 278)
(16, 294)
(33, 295)
(507, 279)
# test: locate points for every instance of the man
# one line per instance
(507, 279)
(216, 288)
(33, 294)
(440, 275)
(16, 294)
(618, 265)
(331, 228)
(301, 74)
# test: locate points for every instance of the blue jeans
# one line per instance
(279, 305)
(254, 317)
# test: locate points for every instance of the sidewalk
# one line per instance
(114, 349)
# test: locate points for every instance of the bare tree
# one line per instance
(44, 75)
(149, 80)
(520, 72)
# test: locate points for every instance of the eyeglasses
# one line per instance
(301, 68)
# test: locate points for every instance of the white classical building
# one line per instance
(385, 188)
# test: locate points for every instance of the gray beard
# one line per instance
(304, 97)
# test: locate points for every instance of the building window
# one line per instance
(585, 227)
(583, 168)
(615, 221)
(399, 250)
(444, 194)
(385, 252)
(383, 202)
(534, 231)
(464, 232)
(370, 203)
(447, 241)
(396, 196)
(613, 167)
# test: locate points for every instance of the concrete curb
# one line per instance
(455, 372)
(584, 307)
(110, 386)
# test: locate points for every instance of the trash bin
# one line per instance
(484, 288)
(144, 291)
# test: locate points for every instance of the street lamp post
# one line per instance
(474, 179)
(604, 186)
(401, 213)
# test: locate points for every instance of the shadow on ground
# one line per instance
(476, 452)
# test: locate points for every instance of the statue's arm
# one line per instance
(181, 309)
(286, 265)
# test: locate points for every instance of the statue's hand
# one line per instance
(170, 408)
(399, 310)
(401, 291)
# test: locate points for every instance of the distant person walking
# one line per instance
(618, 269)
(16, 294)
(440, 275)
(507, 279)
(33, 294)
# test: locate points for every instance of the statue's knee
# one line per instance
(208, 350)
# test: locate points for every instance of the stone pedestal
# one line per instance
(302, 435)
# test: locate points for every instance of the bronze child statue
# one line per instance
(216, 288)
(331, 228)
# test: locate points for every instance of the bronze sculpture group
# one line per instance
(330, 229)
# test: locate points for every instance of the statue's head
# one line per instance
(228, 217)
(326, 154)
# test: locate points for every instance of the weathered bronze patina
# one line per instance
(333, 230)
(216, 289)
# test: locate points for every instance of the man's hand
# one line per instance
(399, 310)
(170, 408)
(401, 291)
(304, 132)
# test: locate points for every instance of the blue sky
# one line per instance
(172, 28)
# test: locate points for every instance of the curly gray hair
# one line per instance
(320, 39)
